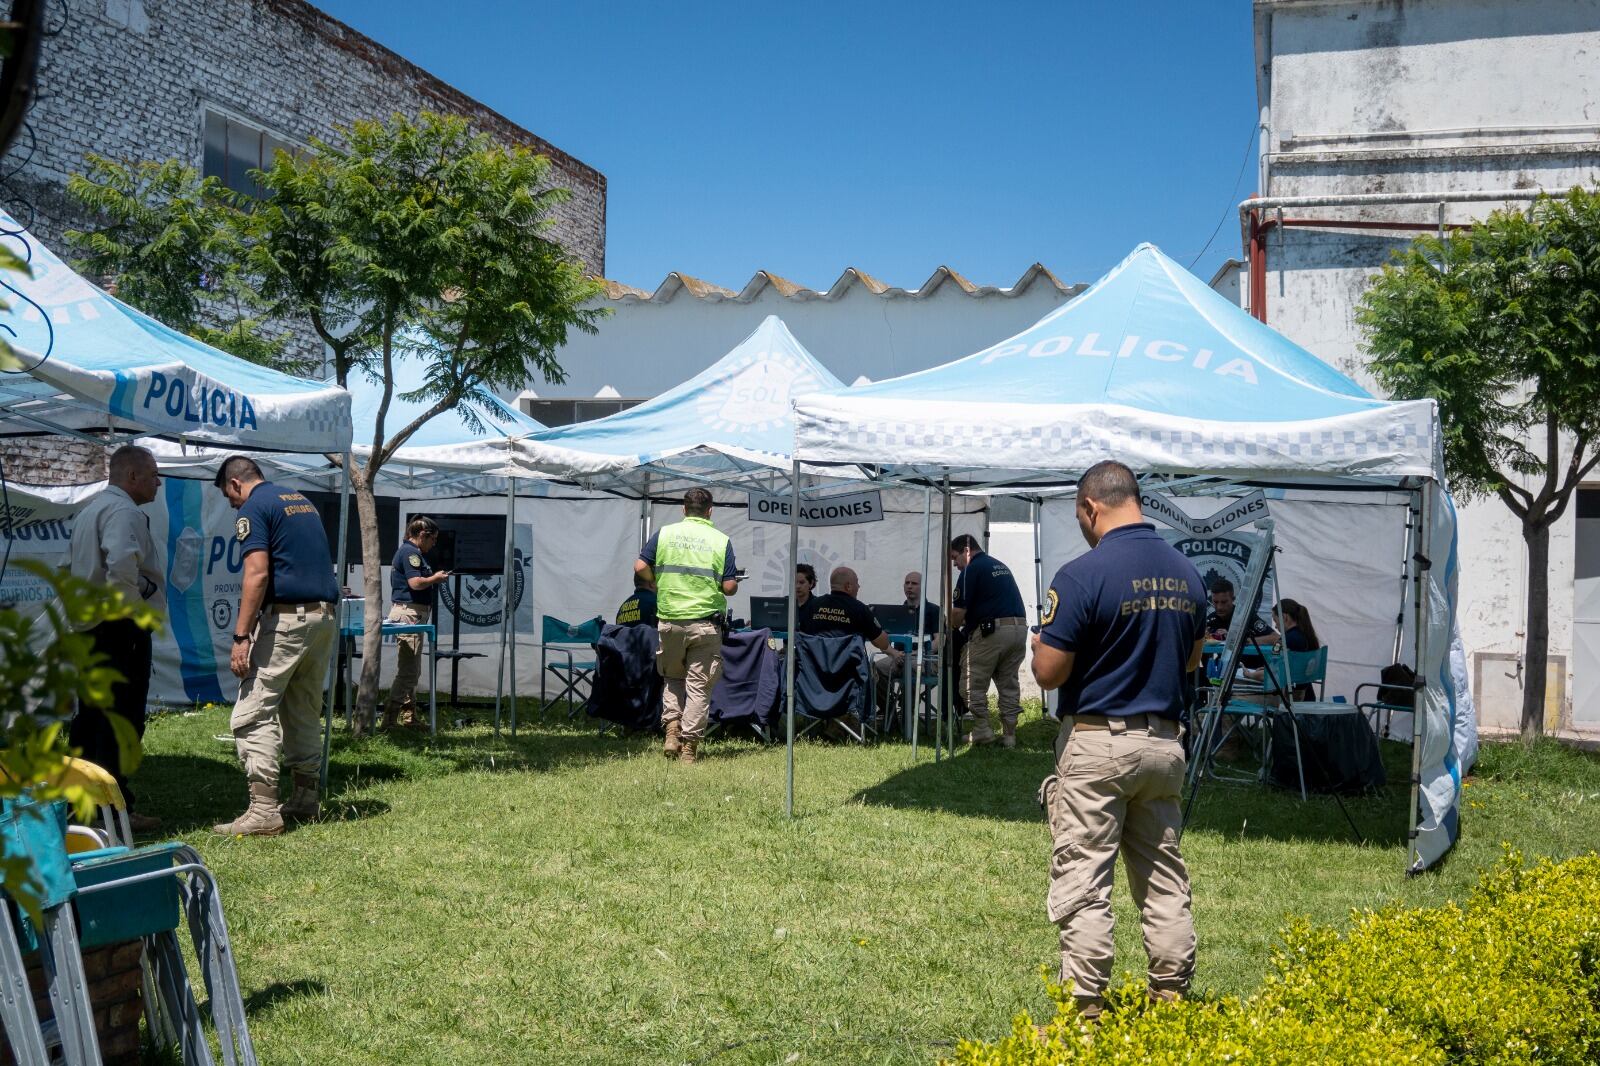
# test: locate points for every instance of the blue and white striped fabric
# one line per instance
(1148, 365)
(735, 415)
(88, 360)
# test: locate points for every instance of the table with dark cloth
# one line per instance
(1338, 751)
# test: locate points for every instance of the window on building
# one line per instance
(233, 148)
(566, 412)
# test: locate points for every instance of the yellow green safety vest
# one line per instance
(690, 556)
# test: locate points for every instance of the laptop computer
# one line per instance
(896, 618)
(769, 612)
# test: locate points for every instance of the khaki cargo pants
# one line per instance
(689, 660)
(408, 653)
(997, 658)
(1118, 789)
(280, 700)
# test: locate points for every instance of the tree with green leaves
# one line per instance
(1500, 324)
(168, 242)
(412, 238)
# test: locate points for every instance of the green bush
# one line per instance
(1512, 976)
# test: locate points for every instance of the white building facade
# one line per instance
(1381, 119)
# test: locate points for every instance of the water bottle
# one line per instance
(1214, 669)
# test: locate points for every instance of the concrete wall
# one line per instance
(1426, 96)
(649, 345)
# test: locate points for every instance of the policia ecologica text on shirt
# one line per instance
(412, 582)
(1120, 632)
(282, 641)
(691, 565)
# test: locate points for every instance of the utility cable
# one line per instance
(1232, 192)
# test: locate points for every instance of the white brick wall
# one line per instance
(129, 78)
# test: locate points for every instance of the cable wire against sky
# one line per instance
(1232, 193)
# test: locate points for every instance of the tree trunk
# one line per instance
(372, 590)
(1536, 650)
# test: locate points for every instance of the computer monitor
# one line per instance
(896, 618)
(769, 612)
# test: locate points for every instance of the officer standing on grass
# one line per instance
(1121, 630)
(988, 605)
(691, 565)
(283, 641)
(412, 589)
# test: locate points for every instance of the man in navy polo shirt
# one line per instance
(988, 606)
(1121, 629)
(413, 586)
(283, 639)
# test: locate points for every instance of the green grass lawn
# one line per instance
(568, 898)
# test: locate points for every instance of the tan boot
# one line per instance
(674, 743)
(690, 746)
(260, 819)
(304, 804)
(1008, 734)
(982, 732)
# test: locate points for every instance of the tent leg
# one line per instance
(511, 606)
(333, 664)
(793, 637)
(1424, 544)
(1038, 589)
(505, 617)
(914, 697)
(950, 673)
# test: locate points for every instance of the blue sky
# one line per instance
(892, 138)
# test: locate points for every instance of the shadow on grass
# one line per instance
(263, 1000)
(1231, 809)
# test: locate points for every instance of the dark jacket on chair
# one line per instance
(627, 689)
(832, 676)
(748, 688)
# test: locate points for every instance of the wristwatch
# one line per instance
(237, 639)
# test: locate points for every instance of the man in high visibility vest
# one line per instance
(691, 564)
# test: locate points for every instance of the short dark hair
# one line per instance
(421, 524)
(1109, 482)
(965, 542)
(1220, 584)
(237, 466)
(808, 570)
(697, 502)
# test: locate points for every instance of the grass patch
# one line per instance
(573, 898)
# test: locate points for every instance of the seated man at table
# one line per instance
(1257, 633)
(640, 608)
(840, 613)
(412, 581)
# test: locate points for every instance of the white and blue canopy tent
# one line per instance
(90, 363)
(728, 429)
(1151, 367)
(91, 367)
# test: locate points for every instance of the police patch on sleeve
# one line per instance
(1051, 601)
(414, 559)
(241, 528)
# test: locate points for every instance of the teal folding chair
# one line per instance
(37, 831)
(566, 652)
(1309, 668)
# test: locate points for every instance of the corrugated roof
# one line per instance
(762, 280)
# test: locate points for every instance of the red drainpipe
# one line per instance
(1258, 267)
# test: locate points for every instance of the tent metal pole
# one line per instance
(511, 604)
(644, 512)
(949, 672)
(789, 644)
(1424, 545)
(343, 571)
(505, 614)
(914, 697)
(1412, 518)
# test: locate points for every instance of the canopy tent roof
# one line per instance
(731, 421)
(91, 362)
(1149, 366)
